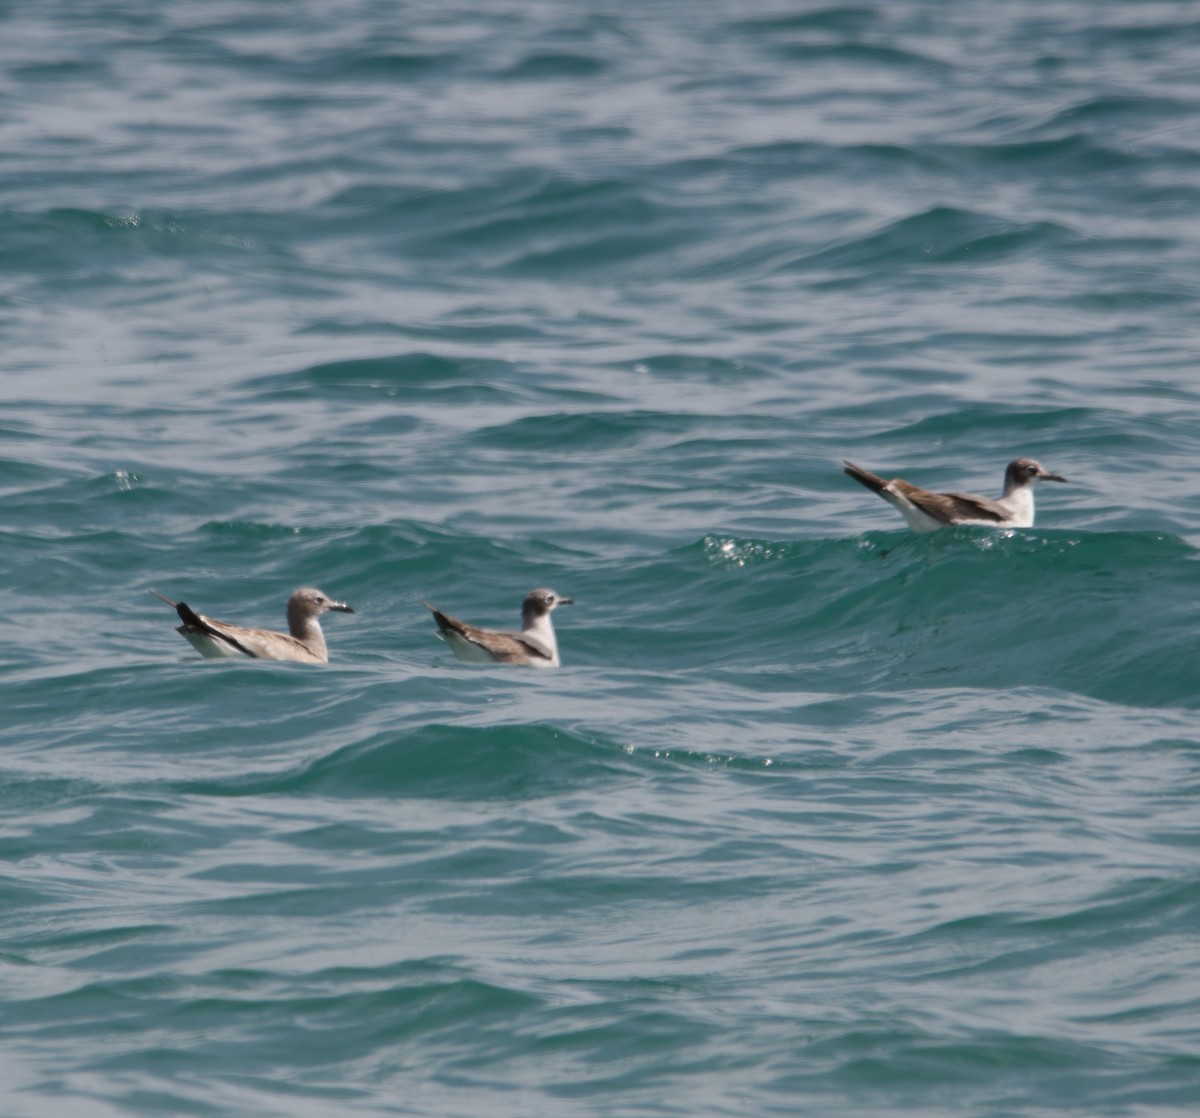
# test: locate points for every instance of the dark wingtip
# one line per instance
(190, 617)
(193, 620)
(186, 614)
(864, 477)
(444, 621)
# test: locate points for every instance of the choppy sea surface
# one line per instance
(819, 817)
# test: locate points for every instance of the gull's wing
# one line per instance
(504, 648)
(959, 506)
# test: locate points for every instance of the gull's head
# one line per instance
(540, 602)
(311, 602)
(1025, 471)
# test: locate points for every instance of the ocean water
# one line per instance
(415, 300)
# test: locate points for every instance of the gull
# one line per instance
(535, 645)
(926, 511)
(306, 643)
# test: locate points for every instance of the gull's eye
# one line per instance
(1031, 471)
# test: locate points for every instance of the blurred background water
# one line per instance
(420, 299)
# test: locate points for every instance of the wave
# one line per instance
(444, 762)
(1094, 613)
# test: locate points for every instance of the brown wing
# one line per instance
(266, 644)
(952, 507)
(509, 647)
(505, 647)
(258, 644)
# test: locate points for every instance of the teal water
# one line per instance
(426, 300)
